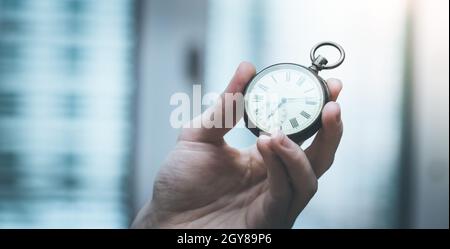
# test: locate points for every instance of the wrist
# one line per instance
(147, 218)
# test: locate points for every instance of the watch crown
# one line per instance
(318, 63)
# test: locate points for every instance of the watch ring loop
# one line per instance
(328, 43)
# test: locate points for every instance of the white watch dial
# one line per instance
(284, 97)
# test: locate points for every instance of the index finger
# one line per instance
(203, 127)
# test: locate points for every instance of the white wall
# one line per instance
(430, 196)
(233, 35)
(169, 29)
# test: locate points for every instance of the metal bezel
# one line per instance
(308, 131)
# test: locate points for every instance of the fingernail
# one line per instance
(238, 68)
(264, 137)
(279, 136)
(241, 65)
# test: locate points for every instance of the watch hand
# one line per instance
(293, 99)
(296, 99)
(283, 100)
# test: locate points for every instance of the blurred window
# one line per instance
(65, 105)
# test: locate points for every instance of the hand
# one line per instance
(204, 183)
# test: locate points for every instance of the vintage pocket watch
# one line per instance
(289, 97)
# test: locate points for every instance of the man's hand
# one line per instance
(205, 183)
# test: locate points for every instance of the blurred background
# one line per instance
(85, 89)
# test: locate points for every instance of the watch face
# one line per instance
(285, 97)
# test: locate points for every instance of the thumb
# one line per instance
(211, 130)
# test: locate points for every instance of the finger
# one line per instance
(277, 200)
(322, 150)
(278, 179)
(302, 176)
(335, 87)
(206, 127)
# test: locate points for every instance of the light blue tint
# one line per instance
(65, 122)
(361, 186)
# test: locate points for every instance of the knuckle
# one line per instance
(335, 80)
(313, 188)
(299, 157)
(331, 161)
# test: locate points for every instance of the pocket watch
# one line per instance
(289, 97)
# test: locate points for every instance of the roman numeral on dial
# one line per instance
(293, 122)
(305, 114)
(274, 79)
(300, 81)
(257, 98)
(309, 90)
(263, 87)
(310, 102)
